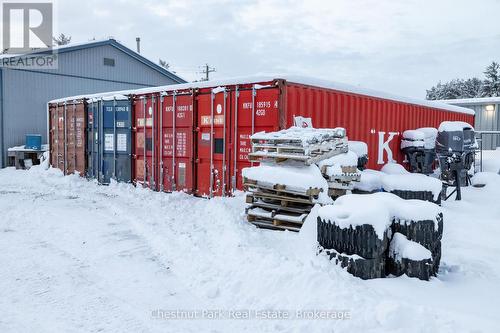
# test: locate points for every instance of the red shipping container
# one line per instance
(226, 113)
(67, 136)
(163, 134)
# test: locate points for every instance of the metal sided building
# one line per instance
(83, 68)
(487, 118)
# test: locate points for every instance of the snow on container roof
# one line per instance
(472, 101)
(304, 80)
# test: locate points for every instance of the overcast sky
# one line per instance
(401, 47)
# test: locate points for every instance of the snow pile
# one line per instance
(412, 182)
(346, 212)
(302, 134)
(401, 247)
(378, 209)
(360, 148)
(371, 180)
(408, 210)
(295, 175)
(454, 126)
(112, 265)
(333, 165)
(394, 169)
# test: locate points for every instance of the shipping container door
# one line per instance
(254, 110)
(176, 170)
(144, 155)
(213, 138)
(53, 118)
(75, 137)
(61, 137)
(116, 152)
(92, 139)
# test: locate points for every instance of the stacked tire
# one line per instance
(426, 234)
(419, 195)
(357, 249)
(367, 252)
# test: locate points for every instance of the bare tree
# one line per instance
(62, 40)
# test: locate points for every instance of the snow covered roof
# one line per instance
(472, 101)
(96, 43)
(294, 79)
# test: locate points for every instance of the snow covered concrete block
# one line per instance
(362, 239)
(410, 258)
(358, 266)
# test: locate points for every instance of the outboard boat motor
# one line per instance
(361, 149)
(418, 146)
(455, 148)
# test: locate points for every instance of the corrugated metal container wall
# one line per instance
(67, 131)
(109, 145)
(164, 140)
(212, 129)
(376, 121)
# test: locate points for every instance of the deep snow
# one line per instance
(81, 257)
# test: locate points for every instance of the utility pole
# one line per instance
(207, 70)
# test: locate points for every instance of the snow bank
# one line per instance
(401, 247)
(346, 212)
(304, 134)
(453, 126)
(295, 175)
(358, 147)
(394, 169)
(371, 180)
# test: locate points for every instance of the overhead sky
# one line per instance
(402, 47)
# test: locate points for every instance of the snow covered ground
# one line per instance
(78, 257)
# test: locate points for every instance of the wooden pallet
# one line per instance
(307, 159)
(250, 184)
(278, 222)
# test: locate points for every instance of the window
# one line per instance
(109, 62)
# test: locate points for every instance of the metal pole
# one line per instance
(174, 133)
(212, 97)
(235, 168)
(92, 141)
(161, 141)
(224, 146)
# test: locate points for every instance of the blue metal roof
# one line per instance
(121, 47)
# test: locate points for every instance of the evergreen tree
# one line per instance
(491, 86)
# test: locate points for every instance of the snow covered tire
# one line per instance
(422, 232)
(361, 240)
(419, 195)
(360, 267)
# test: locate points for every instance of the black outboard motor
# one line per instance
(418, 146)
(455, 144)
(361, 149)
